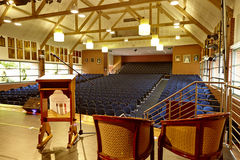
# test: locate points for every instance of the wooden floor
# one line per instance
(19, 137)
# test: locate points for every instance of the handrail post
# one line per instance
(230, 118)
(196, 99)
(180, 106)
(169, 110)
(221, 103)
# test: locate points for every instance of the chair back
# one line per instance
(123, 138)
(194, 138)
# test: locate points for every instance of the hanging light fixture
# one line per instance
(89, 44)
(159, 47)
(144, 27)
(174, 2)
(58, 35)
(125, 39)
(154, 40)
(7, 19)
(105, 49)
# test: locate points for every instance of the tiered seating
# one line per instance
(20, 95)
(115, 94)
(88, 76)
(177, 82)
(147, 68)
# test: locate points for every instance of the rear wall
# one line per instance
(180, 66)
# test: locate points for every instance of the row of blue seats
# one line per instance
(20, 95)
(116, 91)
(176, 83)
(147, 68)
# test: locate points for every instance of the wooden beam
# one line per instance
(4, 13)
(47, 20)
(193, 36)
(158, 17)
(55, 26)
(87, 9)
(150, 13)
(136, 39)
(132, 14)
(91, 5)
(89, 27)
(76, 22)
(182, 27)
(40, 7)
(184, 12)
(81, 27)
(122, 28)
(116, 22)
(100, 26)
(33, 7)
(216, 3)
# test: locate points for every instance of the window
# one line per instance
(18, 71)
(77, 68)
(204, 70)
(236, 70)
(53, 69)
(217, 70)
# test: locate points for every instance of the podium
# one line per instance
(57, 100)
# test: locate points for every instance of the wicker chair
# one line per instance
(194, 138)
(124, 138)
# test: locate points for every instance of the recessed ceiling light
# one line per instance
(7, 20)
(112, 32)
(74, 9)
(108, 30)
(174, 2)
(125, 39)
(176, 26)
(17, 24)
(81, 15)
(10, 2)
(178, 37)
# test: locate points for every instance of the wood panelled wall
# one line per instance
(147, 58)
(90, 63)
(5, 87)
(180, 66)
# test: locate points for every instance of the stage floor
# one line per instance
(19, 137)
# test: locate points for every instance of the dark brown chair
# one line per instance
(194, 138)
(124, 138)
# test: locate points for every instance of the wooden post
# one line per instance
(41, 63)
(70, 71)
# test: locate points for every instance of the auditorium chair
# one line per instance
(194, 138)
(124, 138)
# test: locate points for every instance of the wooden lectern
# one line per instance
(57, 98)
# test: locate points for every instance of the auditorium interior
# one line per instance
(119, 79)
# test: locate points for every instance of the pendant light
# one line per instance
(159, 47)
(154, 40)
(178, 37)
(89, 44)
(105, 49)
(58, 35)
(144, 27)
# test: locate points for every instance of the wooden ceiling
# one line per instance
(198, 19)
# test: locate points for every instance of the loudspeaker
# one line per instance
(32, 105)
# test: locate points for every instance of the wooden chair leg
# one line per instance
(160, 152)
(152, 154)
